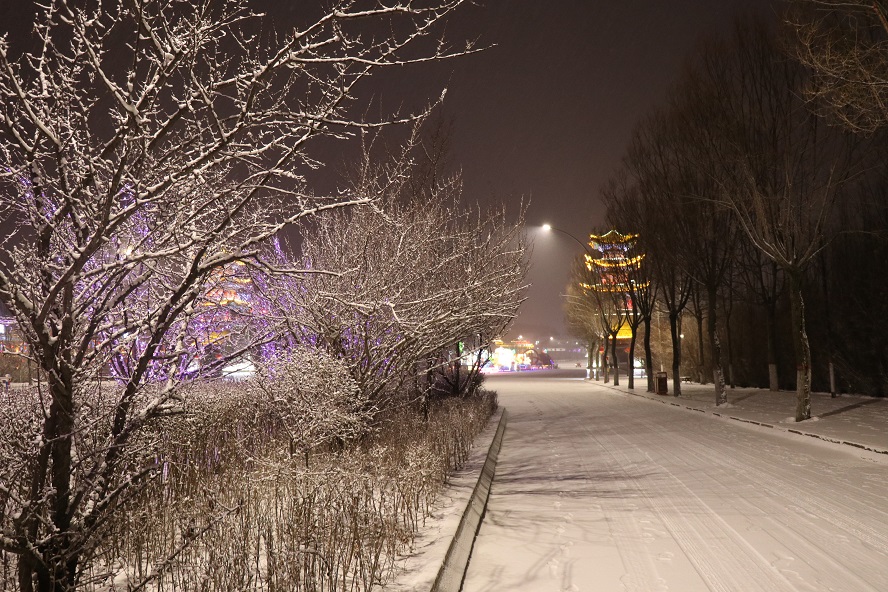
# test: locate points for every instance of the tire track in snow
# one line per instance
(794, 540)
(780, 546)
(721, 556)
(557, 557)
(627, 534)
(641, 574)
(802, 527)
(592, 477)
(800, 514)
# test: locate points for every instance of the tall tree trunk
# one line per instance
(771, 321)
(616, 359)
(701, 358)
(604, 361)
(675, 330)
(631, 364)
(801, 346)
(728, 334)
(596, 361)
(718, 375)
(648, 356)
(832, 380)
(456, 386)
(728, 309)
(55, 569)
(829, 330)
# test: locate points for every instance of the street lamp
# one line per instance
(549, 228)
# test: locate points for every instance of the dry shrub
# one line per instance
(231, 508)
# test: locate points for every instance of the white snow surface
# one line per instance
(417, 571)
(599, 490)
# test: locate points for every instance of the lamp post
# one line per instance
(549, 228)
(590, 365)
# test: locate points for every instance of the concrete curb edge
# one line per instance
(456, 561)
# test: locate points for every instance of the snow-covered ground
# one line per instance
(851, 419)
(417, 571)
(597, 490)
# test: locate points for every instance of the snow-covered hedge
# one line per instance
(252, 515)
(313, 396)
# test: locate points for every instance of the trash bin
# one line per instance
(662, 383)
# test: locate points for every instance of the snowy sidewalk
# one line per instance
(600, 491)
(852, 420)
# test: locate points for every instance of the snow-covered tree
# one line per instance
(393, 286)
(313, 396)
(145, 145)
(784, 170)
(845, 44)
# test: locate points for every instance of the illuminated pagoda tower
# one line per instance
(612, 269)
(612, 272)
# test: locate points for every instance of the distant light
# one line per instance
(239, 370)
(547, 227)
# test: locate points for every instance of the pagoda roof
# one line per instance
(613, 237)
(627, 263)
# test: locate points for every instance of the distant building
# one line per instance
(613, 268)
(614, 272)
(12, 348)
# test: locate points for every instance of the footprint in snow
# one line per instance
(656, 532)
(782, 562)
(553, 567)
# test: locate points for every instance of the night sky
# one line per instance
(547, 111)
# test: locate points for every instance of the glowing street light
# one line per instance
(549, 228)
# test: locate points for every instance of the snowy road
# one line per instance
(598, 491)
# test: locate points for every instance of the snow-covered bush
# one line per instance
(313, 396)
(232, 509)
(402, 287)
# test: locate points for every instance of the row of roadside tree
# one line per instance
(756, 189)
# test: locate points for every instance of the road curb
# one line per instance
(752, 421)
(456, 561)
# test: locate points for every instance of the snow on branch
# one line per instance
(150, 149)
